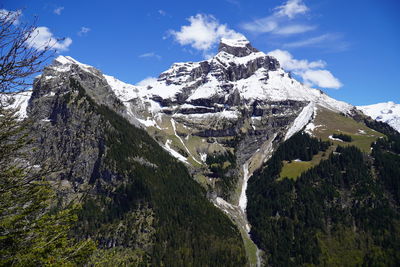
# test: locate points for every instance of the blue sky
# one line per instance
(350, 49)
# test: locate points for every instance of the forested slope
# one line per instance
(342, 212)
(139, 203)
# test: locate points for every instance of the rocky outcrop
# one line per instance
(239, 47)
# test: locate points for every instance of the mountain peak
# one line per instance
(63, 63)
(239, 47)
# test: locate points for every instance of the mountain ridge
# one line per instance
(388, 112)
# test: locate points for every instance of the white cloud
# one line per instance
(289, 63)
(162, 12)
(84, 31)
(41, 38)
(275, 23)
(311, 72)
(10, 16)
(150, 55)
(321, 78)
(58, 10)
(292, 8)
(147, 81)
(203, 32)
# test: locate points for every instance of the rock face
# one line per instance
(237, 47)
(66, 127)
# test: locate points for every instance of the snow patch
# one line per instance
(203, 157)
(123, 91)
(63, 64)
(236, 42)
(18, 101)
(335, 139)
(173, 152)
(243, 196)
(148, 122)
(301, 120)
(361, 131)
(183, 143)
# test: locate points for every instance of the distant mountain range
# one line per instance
(388, 112)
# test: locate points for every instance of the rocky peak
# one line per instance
(239, 47)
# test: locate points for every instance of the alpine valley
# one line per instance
(225, 162)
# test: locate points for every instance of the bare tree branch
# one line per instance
(19, 60)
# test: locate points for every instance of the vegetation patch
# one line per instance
(292, 169)
(222, 167)
(343, 137)
(329, 123)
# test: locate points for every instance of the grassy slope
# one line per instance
(293, 169)
(328, 123)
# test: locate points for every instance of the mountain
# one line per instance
(180, 171)
(139, 203)
(386, 112)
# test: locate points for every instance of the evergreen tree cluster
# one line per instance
(294, 220)
(343, 137)
(189, 230)
(222, 166)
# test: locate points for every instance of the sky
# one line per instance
(348, 48)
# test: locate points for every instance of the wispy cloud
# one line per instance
(262, 25)
(291, 8)
(58, 10)
(150, 55)
(312, 41)
(162, 12)
(277, 22)
(42, 37)
(203, 32)
(329, 41)
(294, 29)
(84, 31)
(313, 73)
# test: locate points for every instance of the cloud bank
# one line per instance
(42, 37)
(312, 72)
(279, 22)
(203, 32)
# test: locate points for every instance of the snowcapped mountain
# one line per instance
(239, 91)
(388, 112)
(239, 101)
(238, 71)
